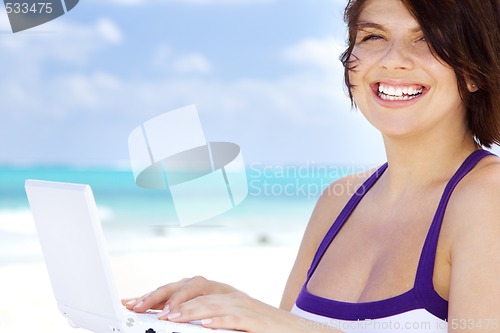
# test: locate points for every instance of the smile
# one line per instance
(399, 93)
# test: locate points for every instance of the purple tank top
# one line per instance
(421, 296)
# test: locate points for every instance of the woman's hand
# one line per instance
(171, 295)
(214, 305)
(218, 305)
(236, 311)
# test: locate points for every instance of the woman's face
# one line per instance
(398, 84)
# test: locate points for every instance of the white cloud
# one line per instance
(304, 114)
(301, 116)
(161, 57)
(165, 58)
(320, 53)
(192, 63)
(60, 41)
(109, 31)
(4, 20)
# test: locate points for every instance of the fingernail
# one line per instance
(138, 304)
(164, 312)
(131, 302)
(173, 315)
(206, 321)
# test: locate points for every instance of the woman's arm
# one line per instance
(474, 299)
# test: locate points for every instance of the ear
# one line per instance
(471, 86)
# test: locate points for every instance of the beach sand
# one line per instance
(261, 271)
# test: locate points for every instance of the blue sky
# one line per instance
(263, 74)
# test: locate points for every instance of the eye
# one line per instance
(421, 39)
(371, 37)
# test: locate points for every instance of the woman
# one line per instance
(421, 249)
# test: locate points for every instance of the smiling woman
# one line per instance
(390, 54)
(415, 247)
(462, 40)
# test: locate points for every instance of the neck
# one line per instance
(420, 163)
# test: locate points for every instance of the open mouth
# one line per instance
(399, 93)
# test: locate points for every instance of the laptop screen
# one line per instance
(72, 242)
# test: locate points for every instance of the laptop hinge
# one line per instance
(90, 321)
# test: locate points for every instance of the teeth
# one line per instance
(392, 93)
(396, 98)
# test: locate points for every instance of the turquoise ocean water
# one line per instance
(276, 210)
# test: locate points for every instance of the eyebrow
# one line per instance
(372, 25)
(364, 25)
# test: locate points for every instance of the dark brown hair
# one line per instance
(465, 34)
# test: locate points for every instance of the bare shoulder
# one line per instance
(480, 188)
(336, 195)
(474, 205)
(331, 202)
(486, 173)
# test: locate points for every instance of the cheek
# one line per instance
(354, 71)
(359, 61)
(356, 79)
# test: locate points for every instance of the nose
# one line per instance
(398, 55)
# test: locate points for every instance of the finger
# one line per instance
(129, 302)
(137, 303)
(201, 307)
(153, 301)
(194, 309)
(228, 311)
(194, 287)
(227, 323)
(156, 300)
(171, 295)
(189, 289)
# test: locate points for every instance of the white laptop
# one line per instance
(73, 246)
